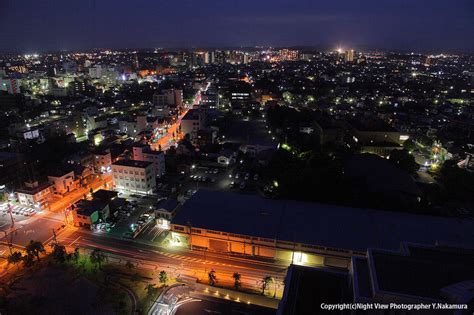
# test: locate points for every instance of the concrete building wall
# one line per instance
(134, 179)
(253, 246)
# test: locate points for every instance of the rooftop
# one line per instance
(133, 163)
(88, 207)
(418, 271)
(169, 204)
(105, 195)
(318, 224)
(31, 190)
(306, 288)
(192, 114)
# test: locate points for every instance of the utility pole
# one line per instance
(205, 266)
(11, 214)
(54, 236)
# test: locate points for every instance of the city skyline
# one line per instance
(286, 157)
(51, 26)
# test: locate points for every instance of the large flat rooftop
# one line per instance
(318, 224)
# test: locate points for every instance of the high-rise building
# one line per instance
(349, 56)
(288, 54)
(213, 57)
(11, 86)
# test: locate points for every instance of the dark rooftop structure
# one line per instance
(318, 224)
(415, 273)
(88, 207)
(371, 125)
(380, 175)
(105, 195)
(169, 204)
(306, 288)
(192, 114)
(32, 188)
(60, 171)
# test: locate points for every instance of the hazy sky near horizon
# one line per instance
(420, 25)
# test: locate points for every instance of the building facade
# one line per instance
(132, 176)
(144, 153)
(35, 195)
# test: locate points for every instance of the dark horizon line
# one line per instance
(315, 48)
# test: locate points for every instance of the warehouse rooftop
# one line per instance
(318, 224)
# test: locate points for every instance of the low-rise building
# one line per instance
(86, 213)
(414, 274)
(133, 176)
(62, 181)
(35, 195)
(435, 275)
(300, 232)
(165, 212)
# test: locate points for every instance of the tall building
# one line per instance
(171, 97)
(288, 54)
(132, 176)
(11, 86)
(95, 72)
(349, 56)
(213, 57)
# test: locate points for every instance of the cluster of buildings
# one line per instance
(119, 111)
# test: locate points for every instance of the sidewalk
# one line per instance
(236, 296)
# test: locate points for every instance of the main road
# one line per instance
(179, 261)
(165, 141)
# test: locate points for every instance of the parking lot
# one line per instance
(19, 213)
(233, 178)
(134, 216)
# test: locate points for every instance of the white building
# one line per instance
(62, 181)
(132, 176)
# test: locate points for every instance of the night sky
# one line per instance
(421, 25)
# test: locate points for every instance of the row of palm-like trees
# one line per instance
(265, 282)
(32, 252)
(34, 249)
(97, 258)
